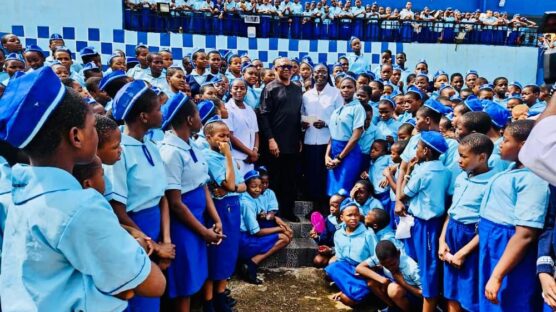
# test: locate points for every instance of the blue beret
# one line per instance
(206, 108)
(63, 49)
(262, 170)
(444, 86)
(223, 52)
(197, 50)
(396, 67)
(410, 121)
(131, 60)
(216, 79)
(88, 51)
(434, 140)
(440, 73)
(113, 56)
(348, 202)
(471, 72)
(337, 64)
(414, 89)
(34, 48)
(308, 60)
(251, 174)
(230, 56)
(515, 96)
(422, 61)
(171, 107)
(90, 66)
(423, 75)
(126, 98)
(156, 90)
(352, 38)
(295, 59)
(212, 119)
(106, 80)
(486, 86)
(436, 106)
(473, 104)
(56, 37)
(141, 45)
(455, 98)
(389, 100)
(515, 84)
(498, 114)
(246, 65)
(14, 57)
(27, 103)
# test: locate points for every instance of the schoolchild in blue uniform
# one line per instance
(251, 77)
(343, 156)
(380, 160)
(257, 244)
(425, 186)
(369, 130)
(189, 200)
(413, 100)
(267, 205)
(399, 285)
(499, 117)
(5, 196)
(226, 185)
(378, 220)
(14, 63)
(95, 264)
(391, 174)
(459, 242)
(512, 214)
(234, 67)
(353, 244)
(325, 240)
(137, 72)
(357, 62)
(387, 125)
(199, 75)
(136, 201)
(362, 193)
(34, 57)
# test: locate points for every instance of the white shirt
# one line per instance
(320, 105)
(243, 123)
(539, 151)
(405, 13)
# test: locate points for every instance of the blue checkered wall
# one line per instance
(265, 49)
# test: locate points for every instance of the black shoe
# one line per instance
(251, 275)
(221, 303)
(232, 302)
(208, 306)
(227, 292)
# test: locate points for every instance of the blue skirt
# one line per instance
(222, 258)
(265, 26)
(462, 285)
(265, 224)
(347, 173)
(520, 289)
(384, 199)
(307, 31)
(342, 272)
(189, 271)
(407, 32)
(296, 27)
(358, 28)
(422, 246)
(333, 30)
(394, 218)
(372, 31)
(148, 221)
(448, 35)
(251, 245)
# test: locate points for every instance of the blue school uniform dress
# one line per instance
(427, 188)
(67, 251)
(369, 205)
(195, 81)
(351, 249)
(394, 218)
(251, 245)
(515, 197)
(5, 196)
(253, 97)
(343, 121)
(186, 171)
(267, 202)
(536, 108)
(358, 63)
(411, 147)
(132, 185)
(375, 176)
(365, 142)
(223, 258)
(388, 128)
(461, 284)
(138, 73)
(388, 234)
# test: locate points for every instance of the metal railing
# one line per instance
(298, 27)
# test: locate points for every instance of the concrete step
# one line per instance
(299, 253)
(302, 208)
(301, 229)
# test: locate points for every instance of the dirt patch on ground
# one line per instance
(284, 290)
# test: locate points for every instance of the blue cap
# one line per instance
(352, 38)
(515, 96)
(113, 56)
(88, 51)
(229, 57)
(63, 49)
(389, 100)
(212, 119)
(471, 72)
(348, 202)
(455, 98)
(434, 140)
(34, 48)
(439, 73)
(444, 86)
(171, 107)
(486, 86)
(15, 57)
(56, 37)
(27, 103)
(126, 98)
(422, 61)
(422, 75)
(337, 64)
(141, 45)
(414, 89)
(206, 108)
(197, 50)
(106, 80)
(262, 170)
(498, 114)
(436, 106)
(156, 90)
(90, 66)
(516, 84)
(473, 104)
(295, 59)
(308, 60)
(131, 60)
(246, 65)
(223, 52)
(251, 174)
(410, 121)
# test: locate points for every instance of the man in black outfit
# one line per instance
(280, 125)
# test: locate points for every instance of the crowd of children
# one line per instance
(142, 182)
